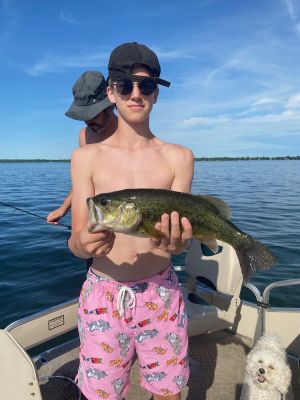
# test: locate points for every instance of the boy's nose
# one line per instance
(135, 91)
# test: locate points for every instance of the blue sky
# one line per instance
(234, 68)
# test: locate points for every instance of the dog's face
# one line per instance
(262, 368)
(268, 371)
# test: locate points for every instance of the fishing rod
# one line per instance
(31, 213)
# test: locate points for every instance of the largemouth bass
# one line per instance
(136, 211)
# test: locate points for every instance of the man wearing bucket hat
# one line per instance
(131, 278)
(92, 106)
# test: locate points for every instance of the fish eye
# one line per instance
(104, 201)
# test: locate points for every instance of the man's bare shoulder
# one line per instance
(82, 137)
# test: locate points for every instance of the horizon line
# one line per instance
(213, 158)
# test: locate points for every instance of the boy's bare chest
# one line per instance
(120, 171)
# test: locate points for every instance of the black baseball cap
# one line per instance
(90, 96)
(125, 56)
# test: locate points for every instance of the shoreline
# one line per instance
(281, 158)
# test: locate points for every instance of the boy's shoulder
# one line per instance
(176, 150)
(85, 153)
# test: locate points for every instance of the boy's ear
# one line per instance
(111, 94)
(155, 95)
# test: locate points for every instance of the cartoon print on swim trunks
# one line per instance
(102, 393)
(124, 342)
(164, 316)
(179, 380)
(151, 365)
(182, 320)
(81, 331)
(184, 362)
(159, 350)
(116, 363)
(171, 277)
(80, 376)
(99, 325)
(118, 385)
(166, 392)
(173, 361)
(85, 293)
(174, 341)
(95, 373)
(151, 306)
(140, 287)
(147, 334)
(165, 295)
(106, 347)
(109, 296)
(100, 278)
(155, 376)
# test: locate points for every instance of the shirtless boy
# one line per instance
(131, 301)
(92, 106)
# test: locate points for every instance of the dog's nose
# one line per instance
(261, 371)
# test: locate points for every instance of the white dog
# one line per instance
(268, 375)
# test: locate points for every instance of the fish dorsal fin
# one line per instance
(220, 205)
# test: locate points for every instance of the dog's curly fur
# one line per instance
(268, 375)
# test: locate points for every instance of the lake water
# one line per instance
(38, 271)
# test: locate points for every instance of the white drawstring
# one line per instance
(122, 299)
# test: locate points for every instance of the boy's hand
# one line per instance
(173, 241)
(97, 244)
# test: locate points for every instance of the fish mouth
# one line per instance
(95, 217)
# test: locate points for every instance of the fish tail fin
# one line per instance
(255, 256)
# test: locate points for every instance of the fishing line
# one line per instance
(31, 213)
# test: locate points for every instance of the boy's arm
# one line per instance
(55, 215)
(175, 239)
(82, 243)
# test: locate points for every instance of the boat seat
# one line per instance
(18, 377)
(212, 289)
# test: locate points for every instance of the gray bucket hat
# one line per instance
(90, 96)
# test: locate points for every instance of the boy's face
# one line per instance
(134, 107)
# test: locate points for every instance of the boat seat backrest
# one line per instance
(18, 377)
(220, 271)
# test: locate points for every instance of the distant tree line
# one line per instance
(196, 159)
(246, 158)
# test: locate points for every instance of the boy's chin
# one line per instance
(137, 118)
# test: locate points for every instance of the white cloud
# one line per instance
(263, 101)
(66, 16)
(173, 54)
(294, 101)
(59, 62)
(201, 121)
(290, 8)
(284, 116)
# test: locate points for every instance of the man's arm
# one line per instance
(55, 215)
(175, 239)
(82, 243)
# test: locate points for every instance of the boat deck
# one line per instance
(217, 362)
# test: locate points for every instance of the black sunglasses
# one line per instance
(124, 86)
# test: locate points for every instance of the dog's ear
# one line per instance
(283, 377)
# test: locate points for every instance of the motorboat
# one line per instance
(39, 353)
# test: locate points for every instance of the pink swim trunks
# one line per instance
(119, 319)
